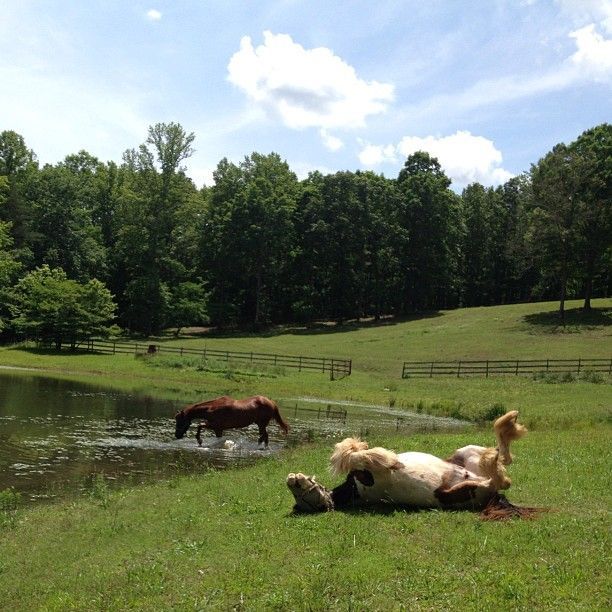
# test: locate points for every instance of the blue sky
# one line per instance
(487, 86)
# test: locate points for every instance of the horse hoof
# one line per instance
(309, 495)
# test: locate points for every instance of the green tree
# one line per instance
(9, 267)
(17, 164)
(189, 306)
(152, 189)
(47, 305)
(594, 193)
(247, 238)
(346, 257)
(555, 218)
(519, 273)
(62, 199)
(430, 216)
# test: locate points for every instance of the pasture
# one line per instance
(228, 540)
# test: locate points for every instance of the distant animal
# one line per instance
(227, 413)
(470, 479)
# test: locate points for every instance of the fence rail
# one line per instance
(337, 368)
(327, 412)
(492, 367)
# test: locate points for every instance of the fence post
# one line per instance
(487, 376)
(323, 370)
(136, 349)
(300, 364)
(610, 369)
(517, 363)
(459, 369)
(431, 370)
(114, 347)
(578, 372)
(547, 365)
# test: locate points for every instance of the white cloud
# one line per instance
(585, 11)
(464, 158)
(306, 87)
(153, 15)
(333, 143)
(594, 53)
(374, 155)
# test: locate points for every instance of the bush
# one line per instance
(493, 412)
(9, 500)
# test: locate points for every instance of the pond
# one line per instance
(56, 435)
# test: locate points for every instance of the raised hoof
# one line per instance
(309, 495)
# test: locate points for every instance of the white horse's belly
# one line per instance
(471, 455)
(416, 483)
(412, 485)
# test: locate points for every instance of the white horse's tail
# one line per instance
(354, 454)
(506, 430)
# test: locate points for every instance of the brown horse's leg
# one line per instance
(263, 435)
(201, 426)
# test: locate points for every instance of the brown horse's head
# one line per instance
(182, 424)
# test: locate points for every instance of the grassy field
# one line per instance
(519, 331)
(227, 539)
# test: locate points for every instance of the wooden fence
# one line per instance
(337, 368)
(516, 367)
(327, 412)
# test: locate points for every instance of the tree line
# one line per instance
(84, 243)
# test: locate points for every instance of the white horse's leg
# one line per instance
(309, 495)
(506, 430)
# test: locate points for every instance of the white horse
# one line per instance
(470, 479)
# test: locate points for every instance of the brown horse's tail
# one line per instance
(279, 419)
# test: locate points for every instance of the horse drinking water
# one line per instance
(228, 413)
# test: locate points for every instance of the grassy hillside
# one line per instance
(378, 350)
(520, 331)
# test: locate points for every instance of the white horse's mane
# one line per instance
(354, 454)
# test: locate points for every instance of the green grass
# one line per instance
(227, 540)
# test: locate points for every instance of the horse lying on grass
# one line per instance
(470, 479)
(228, 413)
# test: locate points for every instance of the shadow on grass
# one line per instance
(310, 329)
(373, 509)
(575, 319)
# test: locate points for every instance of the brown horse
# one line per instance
(227, 413)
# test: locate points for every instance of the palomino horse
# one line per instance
(470, 479)
(227, 413)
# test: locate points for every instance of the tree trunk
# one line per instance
(588, 285)
(562, 298)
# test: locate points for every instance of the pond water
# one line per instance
(56, 435)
